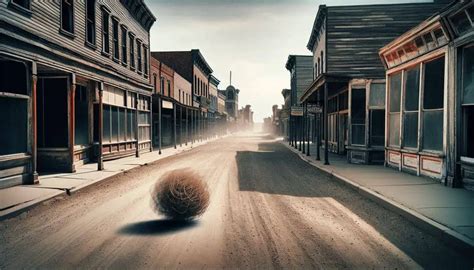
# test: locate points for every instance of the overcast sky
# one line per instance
(253, 38)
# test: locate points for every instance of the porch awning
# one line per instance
(310, 93)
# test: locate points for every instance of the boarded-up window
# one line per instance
(358, 111)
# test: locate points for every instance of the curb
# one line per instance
(434, 228)
(19, 209)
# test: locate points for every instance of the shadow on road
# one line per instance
(157, 227)
(274, 169)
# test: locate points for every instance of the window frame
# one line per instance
(26, 11)
(115, 41)
(123, 44)
(139, 56)
(131, 40)
(91, 44)
(105, 30)
(63, 31)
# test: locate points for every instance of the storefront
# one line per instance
(430, 97)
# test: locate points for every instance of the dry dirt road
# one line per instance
(269, 209)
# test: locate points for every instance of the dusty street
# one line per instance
(269, 209)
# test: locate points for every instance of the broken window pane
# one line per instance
(395, 91)
(13, 126)
(410, 130)
(434, 84)
(433, 130)
(412, 89)
(468, 76)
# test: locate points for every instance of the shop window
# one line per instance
(107, 123)
(377, 127)
(67, 16)
(410, 120)
(122, 116)
(13, 126)
(394, 109)
(81, 116)
(52, 112)
(468, 127)
(124, 44)
(131, 122)
(433, 105)
(468, 100)
(131, 38)
(468, 76)
(105, 32)
(115, 124)
(358, 111)
(115, 37)
(377, 95)
(90, 21)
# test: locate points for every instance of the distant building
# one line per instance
(285, 113)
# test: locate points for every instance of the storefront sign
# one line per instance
(167, 104)
(297, 111)
(314, 109)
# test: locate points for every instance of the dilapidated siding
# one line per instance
(356, 33)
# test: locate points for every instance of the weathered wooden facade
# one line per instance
(74, 84)
(301, 76)
(431, 97)
(347, 94)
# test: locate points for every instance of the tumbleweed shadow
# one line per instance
(157, 227)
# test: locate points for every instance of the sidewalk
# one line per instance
(444, 211)
(18, 199)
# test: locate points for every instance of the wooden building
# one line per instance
(301, 76)
(285, 113)
(194, 68)
(74, 84)
(212, 112)
(347, 93)
(430, 92)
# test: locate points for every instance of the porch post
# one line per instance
(174, 125)
(180, 126)
(34, 127)
(326, 133)
(72, 94)
(159, 125)
(137, 114)
(304, 128)
(100, 158)
(151, 124)
(308, 131)
(317, 129)
(187, 128)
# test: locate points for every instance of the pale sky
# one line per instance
(253, 38)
